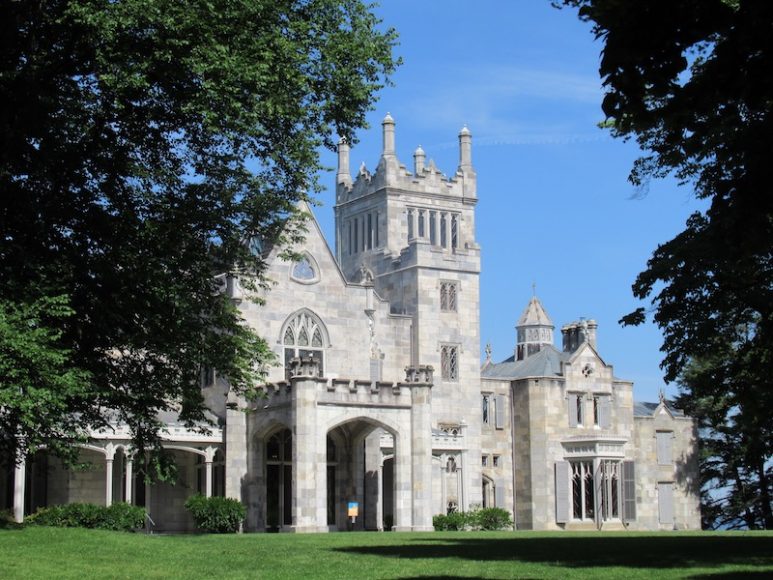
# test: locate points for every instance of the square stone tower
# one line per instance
(412, 235)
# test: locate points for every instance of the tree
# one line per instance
(144, 146)
(692, 82)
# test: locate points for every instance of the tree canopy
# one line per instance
(692, 82)
(143, 145)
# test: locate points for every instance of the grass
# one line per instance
(38, 552)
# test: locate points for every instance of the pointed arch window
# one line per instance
(304, 336)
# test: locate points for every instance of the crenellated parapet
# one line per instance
(424, 178)
(345, 391)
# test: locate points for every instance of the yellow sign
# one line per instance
(354, 509)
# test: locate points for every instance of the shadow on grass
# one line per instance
(656, 553)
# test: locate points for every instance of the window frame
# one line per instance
(449, 362)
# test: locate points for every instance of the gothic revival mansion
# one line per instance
(380, 398)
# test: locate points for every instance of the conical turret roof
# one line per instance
(534, 315)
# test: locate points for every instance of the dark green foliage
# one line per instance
(143, 143)
(216, 515)
(455, 521)
(691, 82)
(484, 519)
(492, 519)
(39, 383)
(119, 517)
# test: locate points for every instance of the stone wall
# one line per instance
(681, 471)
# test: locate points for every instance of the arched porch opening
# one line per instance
(356, 475)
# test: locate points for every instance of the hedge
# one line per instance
(216, 515)
(119, 516)
(486, 519)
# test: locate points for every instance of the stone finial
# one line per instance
(343, 176)
(488, 352)
(662, 396)
(418, 160)
(388, 126)
(465, 149)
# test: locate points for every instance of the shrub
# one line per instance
(455, 521)
(216, 515)
(491, 519)
(488, 519)
(119, 516)
(123, 517)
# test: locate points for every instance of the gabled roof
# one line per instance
(545, 363)
(534, 314)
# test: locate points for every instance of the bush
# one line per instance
(216, 515)
(119, 517)
(487, 519)
(491, 519)
(455, 521)
(123, 517)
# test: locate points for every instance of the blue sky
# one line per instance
(555, 207)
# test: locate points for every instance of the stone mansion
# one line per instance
(380, 400)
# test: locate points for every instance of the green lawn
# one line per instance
(73, 553)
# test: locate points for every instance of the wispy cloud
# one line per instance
(509, 105)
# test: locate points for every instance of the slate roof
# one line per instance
(545, 363)
(642, 409)
(534, 314)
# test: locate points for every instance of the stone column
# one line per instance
(305, 454)
(208, 477)
(19, 481)
(358, 472)
(464, 483)
(235, 447)
(128, 480)
(109, 481)
(380, 501)
(443, 485)
(421, 456)
(322, 525)
(373, 487)
(401, 501)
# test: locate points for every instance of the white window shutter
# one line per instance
(666, 503)
(562, 492)
(663, 439)
(499, 493)
(500, 411)
(605, 408)
(629, 491)
(572, 401)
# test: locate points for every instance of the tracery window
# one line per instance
(596, 495)
(303, 270)
(448, 295)
(449, 362)
(304, 337)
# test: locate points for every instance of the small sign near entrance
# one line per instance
(354, 509)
